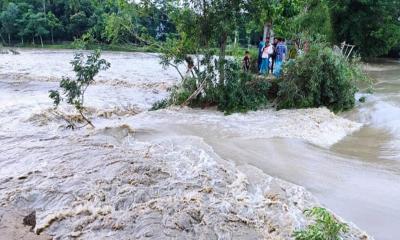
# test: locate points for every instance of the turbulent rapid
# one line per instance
(181, 173)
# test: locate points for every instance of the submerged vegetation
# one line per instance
(326, 226)
(321, 77)
(240, 92)
(313, 77)
(73, 90)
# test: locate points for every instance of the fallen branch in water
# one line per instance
(194, 94)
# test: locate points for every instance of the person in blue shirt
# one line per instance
(261, 45)
(281, 52)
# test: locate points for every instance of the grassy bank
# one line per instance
(237, 51)
(104, 47)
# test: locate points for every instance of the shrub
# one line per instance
(240, 92)
(319, 78)
(326, 227)
(73, 90)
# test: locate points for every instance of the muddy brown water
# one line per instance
(358, 177)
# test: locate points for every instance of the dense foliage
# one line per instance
(240, 92)
(326, 227)
(73, 90)
(321, 77)
(105, 21)
(373, 26)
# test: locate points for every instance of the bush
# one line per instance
(326, 227)
(319, 78)
(73, 90)
(240, 92)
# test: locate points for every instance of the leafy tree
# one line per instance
(78, 24)
(40, 26)
(74, 89)
(373, 26)
(35, 25)
(315, 21)
(53, 23)
(8, 20)
(118, 28)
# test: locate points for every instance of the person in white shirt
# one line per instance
(266, 53)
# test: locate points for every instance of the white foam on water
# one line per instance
(105, 182)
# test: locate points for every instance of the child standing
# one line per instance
(246, 61)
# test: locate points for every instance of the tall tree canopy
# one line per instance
(372, 25)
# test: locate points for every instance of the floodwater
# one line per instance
(45, 167)
(358, 177)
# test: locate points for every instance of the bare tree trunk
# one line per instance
(44, 7)
(2, 39)
(52, 37)
(33, 40)
(265, 32)
(41, 40)
(221, 60)
(22, 40)
(268, 32)
(9, 39)
(86, 119)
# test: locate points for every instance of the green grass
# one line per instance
(325, 227)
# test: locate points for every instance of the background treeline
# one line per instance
(372, 25)
(103, 21)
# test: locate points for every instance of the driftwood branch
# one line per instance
(70, 122)
(86, 119)
(194, 94)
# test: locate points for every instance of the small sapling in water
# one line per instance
(73, 90)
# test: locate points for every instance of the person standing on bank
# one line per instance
(266, 53)
(261, 45)
(246, 61)
(281, 51)
(273, 55)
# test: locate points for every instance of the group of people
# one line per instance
(270, 56)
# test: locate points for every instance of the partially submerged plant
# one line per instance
(73, 90)
(240, 92)
(319, 78)
(326, 226)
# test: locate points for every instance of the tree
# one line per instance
(40, 26)
(214, 22)
(78, 24)
(74, 89)
(53, 23)
(8, 20)
(315, 21)
(35, 25)
(371, 25)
